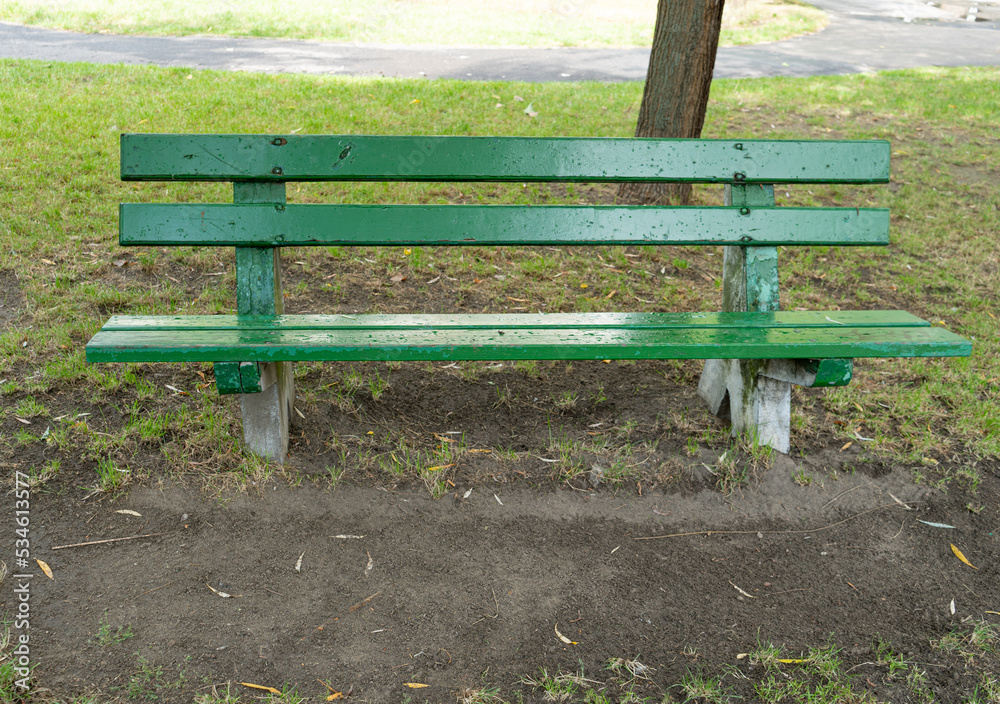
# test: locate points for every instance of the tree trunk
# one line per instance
(677, 83)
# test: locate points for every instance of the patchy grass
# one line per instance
(486, 23)
(107, 635)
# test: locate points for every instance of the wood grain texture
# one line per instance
(187, 157)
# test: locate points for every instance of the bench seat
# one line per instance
(569, 336)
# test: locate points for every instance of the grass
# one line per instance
(486, 23)
(151, 682)
(976, 640)
(107, 635)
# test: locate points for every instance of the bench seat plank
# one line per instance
(511, 321)
(415, 225)
(521, 342)
(206, 157)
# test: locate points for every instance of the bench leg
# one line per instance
(754, 402)
(266, 414)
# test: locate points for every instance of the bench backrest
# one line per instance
(260, 220)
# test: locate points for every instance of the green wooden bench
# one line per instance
(754, 352)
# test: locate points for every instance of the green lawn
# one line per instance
(485, 23)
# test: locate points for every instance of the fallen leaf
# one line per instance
(335, 695)
(370, 566)
(129, 512)
(960, 556)
(118, 263)
(563, 638)
(518, 99)
(224, 595)
(846, 446)
(479, 450)
(45, 568)
(935, 525)
(22, 420)
(443, 438)
(414, 101)
(348, 537)
(530, 111)
(415, 685)
(952, 607)
(791, 661)
(900, 502)
(48, 261)
(397, 278)
(498, 499)
(272, 690)
(298, 565)
(440, 467)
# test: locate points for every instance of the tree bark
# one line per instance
(674, 100)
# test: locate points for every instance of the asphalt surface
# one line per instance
(863, 35)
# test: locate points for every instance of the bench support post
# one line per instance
(258, 292)
(745, 389)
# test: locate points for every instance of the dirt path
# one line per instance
(458, 593)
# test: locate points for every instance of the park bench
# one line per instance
(754, 352)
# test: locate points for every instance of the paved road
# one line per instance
(863, 35)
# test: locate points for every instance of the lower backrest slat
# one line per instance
(264, 225)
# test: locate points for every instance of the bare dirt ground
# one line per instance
(469, 590)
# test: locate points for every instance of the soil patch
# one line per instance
(11, 297)
(469, 590)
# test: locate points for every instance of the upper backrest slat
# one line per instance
(168, 157)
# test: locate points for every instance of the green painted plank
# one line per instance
(417, 345)
(513, 321)
(258, 269)
(416, 225)
(461, 158)
(250, 377)
(831, 372)
(755, 268)
(227, 378)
